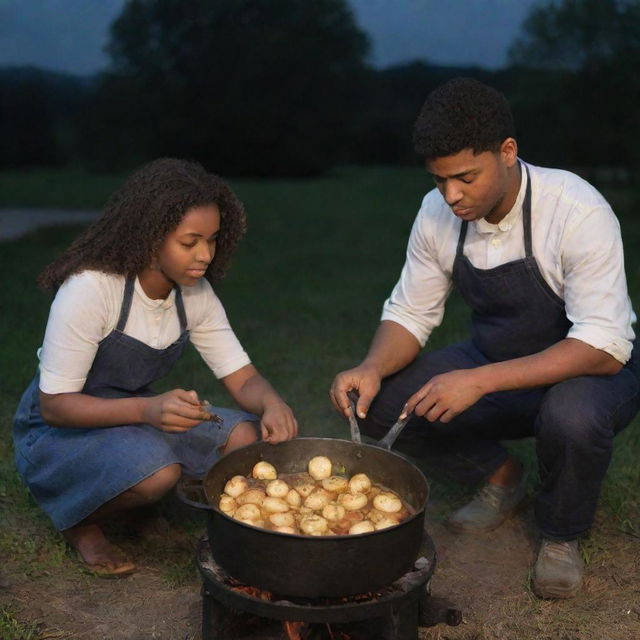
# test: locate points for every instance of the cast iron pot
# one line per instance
(326, 566)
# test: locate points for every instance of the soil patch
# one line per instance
(487, 577)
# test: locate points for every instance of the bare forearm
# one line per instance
(251, 390)
(392, 349)
(85, 411)
(566, 359)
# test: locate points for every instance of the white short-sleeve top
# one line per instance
(576, 242)
(86, 309)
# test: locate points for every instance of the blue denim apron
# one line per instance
(71, 472)
(515, 313)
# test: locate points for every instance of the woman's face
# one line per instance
(185, 253)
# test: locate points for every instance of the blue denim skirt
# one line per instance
(73, 472)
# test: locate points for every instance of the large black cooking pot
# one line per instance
(295, 565)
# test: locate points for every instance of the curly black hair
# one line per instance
(463, 113)
(139, 215)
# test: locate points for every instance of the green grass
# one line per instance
(54, 188)
(12, 629)
(304, 296)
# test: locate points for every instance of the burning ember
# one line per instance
(299, 630)
(295, 630)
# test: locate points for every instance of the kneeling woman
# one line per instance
(91, 437)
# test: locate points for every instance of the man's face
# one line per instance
(478, 186)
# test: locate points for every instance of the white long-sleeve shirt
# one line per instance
(87, 307)
(576, 242)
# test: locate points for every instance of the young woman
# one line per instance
(91, 437)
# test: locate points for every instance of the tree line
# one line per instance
(283, 88)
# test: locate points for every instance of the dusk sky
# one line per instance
(69, 35)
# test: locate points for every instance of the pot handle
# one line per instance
(190, 490)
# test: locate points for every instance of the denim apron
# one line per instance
(515, 313)
(71, 472)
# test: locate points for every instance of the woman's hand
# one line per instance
(278, 422)
(254, 393)
(176, 411)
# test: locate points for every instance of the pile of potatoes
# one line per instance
(315, 503)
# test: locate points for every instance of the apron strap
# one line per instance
(461, 237)
(126, 304)
(181, 312)
(526, 216)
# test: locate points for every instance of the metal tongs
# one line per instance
(208, 409)
(392, 434)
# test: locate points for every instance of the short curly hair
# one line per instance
(139, 215)
(463, 113)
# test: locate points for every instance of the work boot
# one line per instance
(558, 569)
(489, 509)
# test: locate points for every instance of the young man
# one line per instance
(537, 255)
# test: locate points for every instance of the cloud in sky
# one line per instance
(70, 35)
(447, 32)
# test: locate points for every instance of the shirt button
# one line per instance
(495, 242)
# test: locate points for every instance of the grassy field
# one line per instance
(304, 296)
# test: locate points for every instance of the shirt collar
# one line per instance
(507, 223)
(167, 303)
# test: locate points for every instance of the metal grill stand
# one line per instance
(393, 613)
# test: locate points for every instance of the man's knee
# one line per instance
(570, 414)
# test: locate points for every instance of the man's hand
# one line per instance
(446, 395)
(278, 423)
(176, 411)
(365, 380)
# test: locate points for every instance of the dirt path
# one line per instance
(486, 577)
(15, 222)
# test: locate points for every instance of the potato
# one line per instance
(387, 502)
(236, 486)
(227, 504)
(360, 483)
(285, 529)
(277, 488)
(333, 512)
(314, 525)
(385, 523)
(252, 496)
(335, 484)
(352, 501)
(362, 527)
(247, 512)
(293, 498)
(317, 500)
(319, 467)
(305, 488)
(264, 471)
(275, 505)
(286, 519)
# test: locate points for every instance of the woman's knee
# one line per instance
(152, 488)
(242, 434)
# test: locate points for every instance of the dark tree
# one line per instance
(578, 88)
(260, 87)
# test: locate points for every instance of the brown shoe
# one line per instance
(558, 570)
(489, 509)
